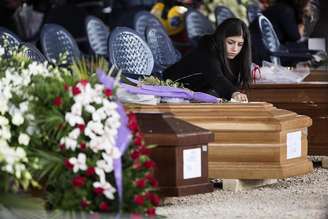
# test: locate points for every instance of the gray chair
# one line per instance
(222, 13)
(130, 53)
(275, 49)
(162, 48)
(98, 34)
(13, 41)
(197, 25)
(32, 53)
(253, 11)
(56, 40)
(143, 20)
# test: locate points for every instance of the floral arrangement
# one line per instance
(71, 137)
(238, 9)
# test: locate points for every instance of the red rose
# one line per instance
(84, 203)
(68, 165)
(155, 200)
(138, 139)
(78, 181)
(108, 92)
(84, 82)
(149, 164)
(154, 182)
(135, 154)
(57, 101)
(103, 206)
(76, 90)
(82, 146)
(145, 151)
(81, 127)
(140, 183)
(98, 191)
(139, 199)
(90, 171)
(62, 147)
(151, 212)
(133, 124)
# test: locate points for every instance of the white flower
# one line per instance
(90, 108)
(70, 143)
(73, 119)
(2, 51)
(23, 107)
(3, 105)
(109, 190)
(76, 109)
(104, 165)
(74, 134)
(3, 121)
(5, 132)
(79, 163)
(18, 119)
(23, 139)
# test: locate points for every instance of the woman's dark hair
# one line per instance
(238, 69)
(299, 7)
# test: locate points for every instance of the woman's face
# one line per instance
(233, 44)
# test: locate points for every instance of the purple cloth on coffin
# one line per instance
(162, 91)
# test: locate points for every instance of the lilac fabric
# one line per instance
(123, 135)
(162, 91)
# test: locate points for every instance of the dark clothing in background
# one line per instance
(283, 19)
(201, 71)
(321, 28)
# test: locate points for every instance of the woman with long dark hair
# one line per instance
(220, 65)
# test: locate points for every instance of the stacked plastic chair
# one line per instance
(130, 53)
(56, 40)
(162, 48)
(32, 53)
(275, 49)
(98, 34)
(13, 41)
(222, 13)
(144, 20)
(197, 25)
(253, 11)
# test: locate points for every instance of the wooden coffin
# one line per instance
(181, 154)
(307, 98)
(250, 139)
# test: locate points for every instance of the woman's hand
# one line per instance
(239, 97)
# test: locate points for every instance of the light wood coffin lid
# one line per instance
(250, 139)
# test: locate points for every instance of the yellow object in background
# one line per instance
(174, 23)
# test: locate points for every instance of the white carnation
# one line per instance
(18, 119)
(23, 139)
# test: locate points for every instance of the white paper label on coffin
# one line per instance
(192, 163)
(294, 144)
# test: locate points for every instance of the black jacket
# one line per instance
(201, 71)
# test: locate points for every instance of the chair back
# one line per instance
(143, 20)
(32, 53)
(269, 37)
(98, 34)
(162, 48)
(197, 25)
(222, 13)
(56, 40)
(129, 52)
(253, 11)
(12, 39)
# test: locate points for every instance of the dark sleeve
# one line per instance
(222, 85)
(289, 24)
